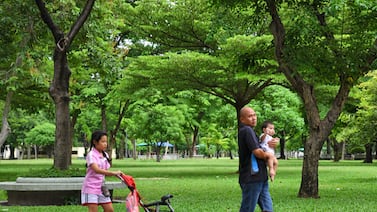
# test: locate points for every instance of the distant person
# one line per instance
(254, 185)
(268, 129)
(93, 192)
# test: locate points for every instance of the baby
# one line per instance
(268, 129)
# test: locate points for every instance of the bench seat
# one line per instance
(48, 191)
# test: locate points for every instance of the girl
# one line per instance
(98, 163)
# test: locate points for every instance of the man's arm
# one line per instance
(259, 153)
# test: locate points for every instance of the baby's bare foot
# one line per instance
(272, 174)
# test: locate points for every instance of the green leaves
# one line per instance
(41, 135)
(157, 123)
(242, 63)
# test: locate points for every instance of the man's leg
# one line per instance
(250, 195)
(265, 201)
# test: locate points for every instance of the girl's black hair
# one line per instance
(96, 136)
(266, 123)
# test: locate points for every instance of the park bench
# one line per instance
(48, 191)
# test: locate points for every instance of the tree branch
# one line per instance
(62, 43)
(56, 32)
(80, 21)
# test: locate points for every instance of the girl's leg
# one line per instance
(92, 207)
(275, 164)
(108, 207)
(270, 164)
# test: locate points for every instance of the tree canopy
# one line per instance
(176, 67)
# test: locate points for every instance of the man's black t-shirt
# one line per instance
(247, 142)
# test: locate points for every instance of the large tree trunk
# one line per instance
(60, 83)
(60, 95)
(309, 178)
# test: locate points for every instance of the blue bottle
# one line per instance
(254, 165)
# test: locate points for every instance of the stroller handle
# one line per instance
(164, 201)
(166, 197)
(127, 180)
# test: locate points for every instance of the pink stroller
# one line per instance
(133, 200)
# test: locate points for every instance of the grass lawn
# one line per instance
(211, 184)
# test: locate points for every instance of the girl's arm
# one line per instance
(98, 170)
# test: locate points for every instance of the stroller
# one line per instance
(133, 200)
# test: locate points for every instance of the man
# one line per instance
(254, 186)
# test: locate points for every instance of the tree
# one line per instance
(359, 128)
(199, 108)
(96, 65)
(155, 121)
(366, 115)
(221, 125)
(347, 68)
(317, 43)
(43, 136)
(59, 88)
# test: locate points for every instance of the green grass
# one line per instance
(212, 185)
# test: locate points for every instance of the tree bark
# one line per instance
(231, 155)
(60, 84)
(114, 132)
(328, 145)
(309, 178)
(368, 151)
(282, 146)
(338, 150)
(158, 149)
(5, 128)
(122, 150)
(74, 118)
(194, 141)
(134, 152)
